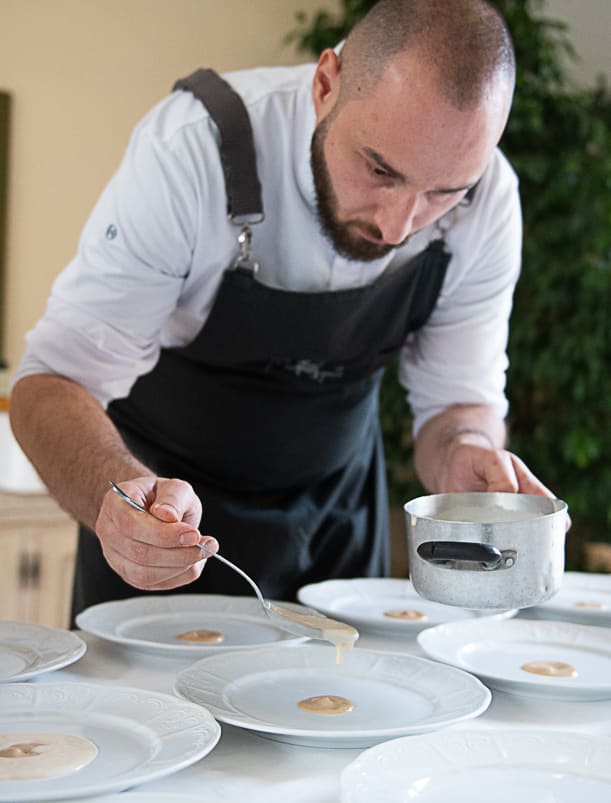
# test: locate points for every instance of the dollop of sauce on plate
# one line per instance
(407, 615)
(201, 636)
(35, 756)
(551, 669)
(326, 704)
(592, 605)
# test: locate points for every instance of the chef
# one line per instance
(270, 240)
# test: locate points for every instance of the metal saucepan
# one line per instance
(486, 550)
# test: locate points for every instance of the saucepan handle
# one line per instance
(456, 552)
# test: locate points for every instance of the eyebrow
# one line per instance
(383, 164)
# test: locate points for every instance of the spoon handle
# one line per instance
(231, 565)
(126, 498)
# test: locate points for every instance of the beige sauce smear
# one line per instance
(201, 636)
(408, 615)
(340, 634)
(32, 756)
(597, 606)
(326, 704)
(552, 669)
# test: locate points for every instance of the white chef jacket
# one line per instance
(153, 251)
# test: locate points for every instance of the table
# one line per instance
(250, 768)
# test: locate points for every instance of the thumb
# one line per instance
(164, 511)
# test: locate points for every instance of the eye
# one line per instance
(379, 171)
(379, 176)
(436, 197)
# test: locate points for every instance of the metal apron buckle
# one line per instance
(245, 258)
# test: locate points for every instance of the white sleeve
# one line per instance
(105, 314)
(459, 356)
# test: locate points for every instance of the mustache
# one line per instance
(368, 229)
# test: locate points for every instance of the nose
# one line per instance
(395, 217)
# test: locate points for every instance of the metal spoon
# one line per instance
(316, 626)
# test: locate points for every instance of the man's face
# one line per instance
(397, 159)
(349, 238)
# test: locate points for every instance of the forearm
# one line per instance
(461, 423)
(71, 442)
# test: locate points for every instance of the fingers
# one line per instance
(154, 550)
(208, 545)
(476, 468)
(472, 467)
(154, 568)
(146, 565)
(527, 482)
(499, 472)
(175, 500)
(186, 577)
(153, 577)
(165, 556)
(167, 500)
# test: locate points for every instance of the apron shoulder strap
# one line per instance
(237, 149)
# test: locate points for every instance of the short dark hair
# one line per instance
(466, 42)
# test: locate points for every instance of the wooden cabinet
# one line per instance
(37, 553)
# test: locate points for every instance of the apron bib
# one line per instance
(271, 413)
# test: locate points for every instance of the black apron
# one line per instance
(271, 413)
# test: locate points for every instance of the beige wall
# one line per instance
(589, 25)
(82, 72)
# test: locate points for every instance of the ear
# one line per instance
(325, 86)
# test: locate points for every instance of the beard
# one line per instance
(345, 237)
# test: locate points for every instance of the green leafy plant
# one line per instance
(559, 383)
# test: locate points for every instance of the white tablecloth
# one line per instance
(248, 768)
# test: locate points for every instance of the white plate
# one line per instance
(27, 650)
(140, 735)
(149, 797)
(578, 591)
(393, 694)
(363, 603)
(152, 623)
(496, 651)
(483, 766)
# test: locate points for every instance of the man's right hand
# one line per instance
(155, 550)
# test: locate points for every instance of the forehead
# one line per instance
(408, 120)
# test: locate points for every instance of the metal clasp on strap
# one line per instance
(245, 258)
